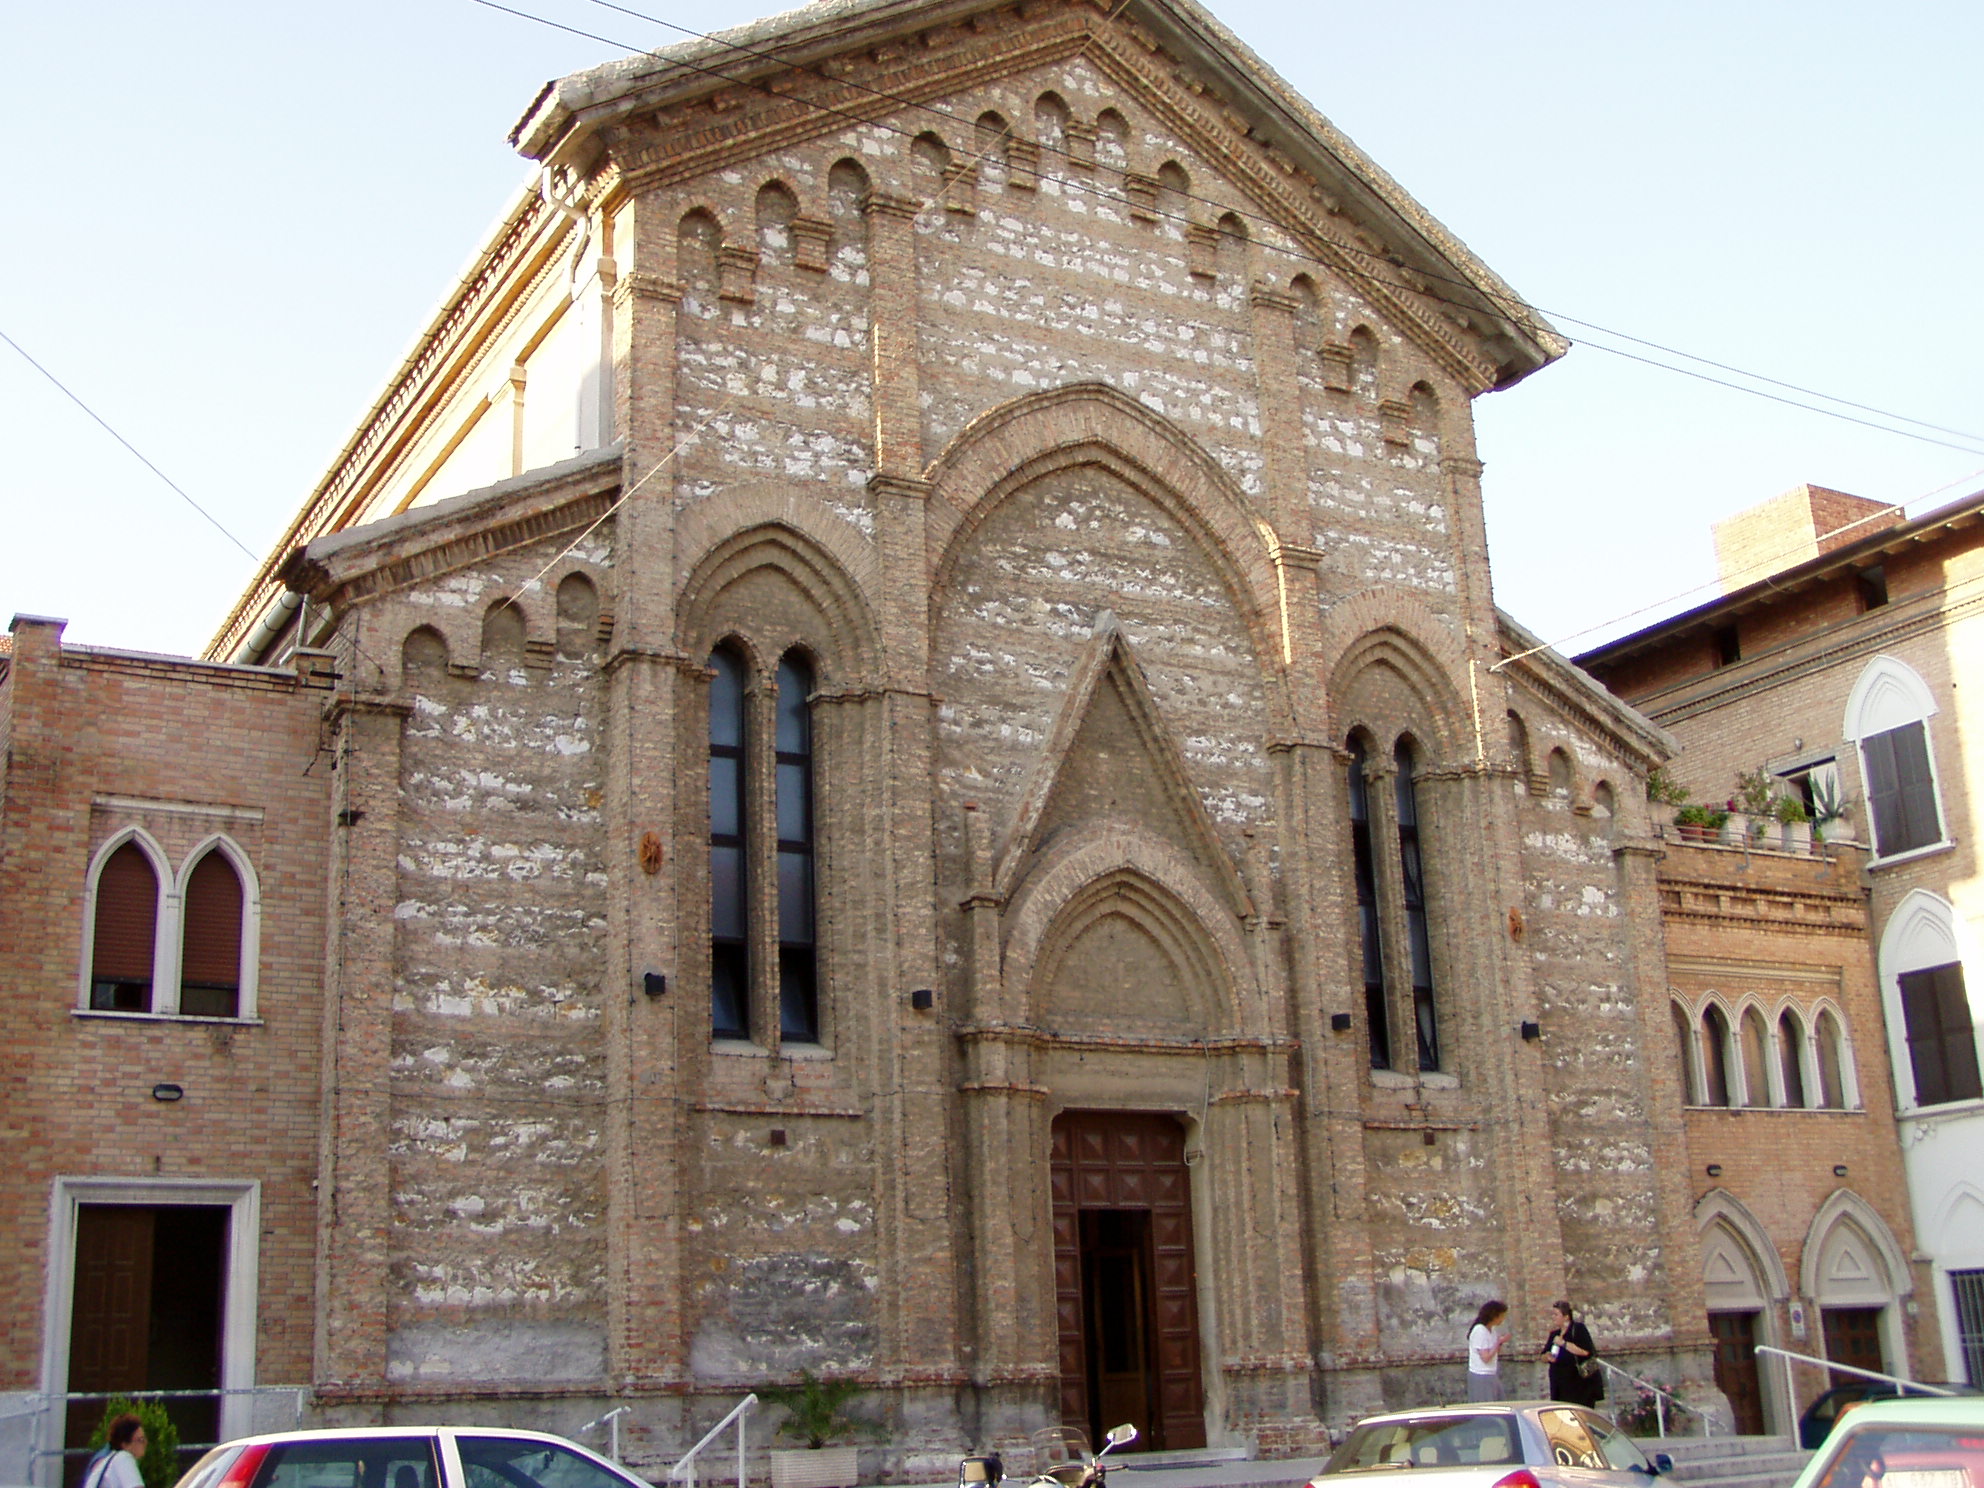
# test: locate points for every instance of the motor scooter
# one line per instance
(1061, 1460)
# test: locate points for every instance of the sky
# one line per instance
(230, 218)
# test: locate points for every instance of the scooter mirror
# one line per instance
(1121, 1436)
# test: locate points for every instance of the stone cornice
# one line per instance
(343, 569)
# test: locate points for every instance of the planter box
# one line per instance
(1797, 836)
(817, 1467)
(1695, 831)
(1736, 830)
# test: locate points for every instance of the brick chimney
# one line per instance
(1791, 529)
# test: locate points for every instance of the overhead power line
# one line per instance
(104, 424)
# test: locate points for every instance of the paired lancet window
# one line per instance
(1394, 939)
(166, 944)
(764, 950)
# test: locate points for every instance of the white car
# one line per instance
(1508, 1444)
(406, 1457)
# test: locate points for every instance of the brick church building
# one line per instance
(890, 752)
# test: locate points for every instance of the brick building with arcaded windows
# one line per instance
(889, 753)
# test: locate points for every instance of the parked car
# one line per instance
(1819, 1416)
(1509, 1444)
(1924, 1441)
(406, 1457)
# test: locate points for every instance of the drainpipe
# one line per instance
(257, 640)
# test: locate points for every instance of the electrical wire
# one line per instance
(104, 424)
(1508, 302)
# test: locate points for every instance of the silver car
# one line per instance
(1509, 1444)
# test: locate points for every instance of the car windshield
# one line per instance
(1427, 1441)
(1897, 1456)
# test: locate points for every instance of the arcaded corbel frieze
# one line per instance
(1201, 250)
(1081, 145)
(1395, 420)
(737, 274)
(1022, 164)
(1141, 191)
(1461, 467)
(810, 239)
(646, 286)
(883, 204)
(1339, 366)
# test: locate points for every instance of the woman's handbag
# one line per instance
(1589, 1366)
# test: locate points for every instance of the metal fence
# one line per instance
(33, 1426)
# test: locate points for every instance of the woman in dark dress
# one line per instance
(1568, 1346)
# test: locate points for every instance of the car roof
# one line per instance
(1926, 1410)
(1465, 1408)
(352, 1433)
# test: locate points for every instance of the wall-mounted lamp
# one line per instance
(654, 983)
(778, 1136)
(1339, 1022)
(923, 999)
(1839, 1170)
(1531, 1030)
(1715, 1170)
(168, 1093)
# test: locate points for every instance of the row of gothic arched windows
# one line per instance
(1800, 1060)
(169, 943)
(761, 784)
(1395, 945)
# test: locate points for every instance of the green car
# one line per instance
(1918, 1442)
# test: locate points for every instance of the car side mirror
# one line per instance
(1121, 1436)
(1662, 1463)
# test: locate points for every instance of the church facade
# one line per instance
(912, 772)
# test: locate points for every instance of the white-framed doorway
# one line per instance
(241, 1260)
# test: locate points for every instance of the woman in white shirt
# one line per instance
(117, 1465)
(1484, 1351)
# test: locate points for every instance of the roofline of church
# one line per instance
(1785, 582)
(568, 109)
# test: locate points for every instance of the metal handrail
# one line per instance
(1873, 1374)
(1662, 1398)
(685, 1470)
(611, 1420)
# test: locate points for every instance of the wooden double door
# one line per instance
(1126, 1291)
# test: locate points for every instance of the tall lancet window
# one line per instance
(1377, 1017)
(1412, 882)
(730, 952)
(798, 951)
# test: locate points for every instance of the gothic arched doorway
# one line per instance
(1125, 1290)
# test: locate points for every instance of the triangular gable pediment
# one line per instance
(681, 112)
(1112, 757)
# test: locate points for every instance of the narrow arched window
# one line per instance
(1715, 1057)
(210, 950)
(730, 956)
(1412, 883)
(1756, 1064)
(798, 950)
(1377, 1017)
(125, 932)
(1791, 1057)
(1684, 1047)
(1832, 1077)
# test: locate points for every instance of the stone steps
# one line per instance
(1731, 1461)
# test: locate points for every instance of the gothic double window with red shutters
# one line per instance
(169, 942)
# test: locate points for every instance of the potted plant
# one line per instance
(1794, 823)
(1829, 805)
(828, 1459)
(1700, 823)
(1757, 795)
(1663, 789)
